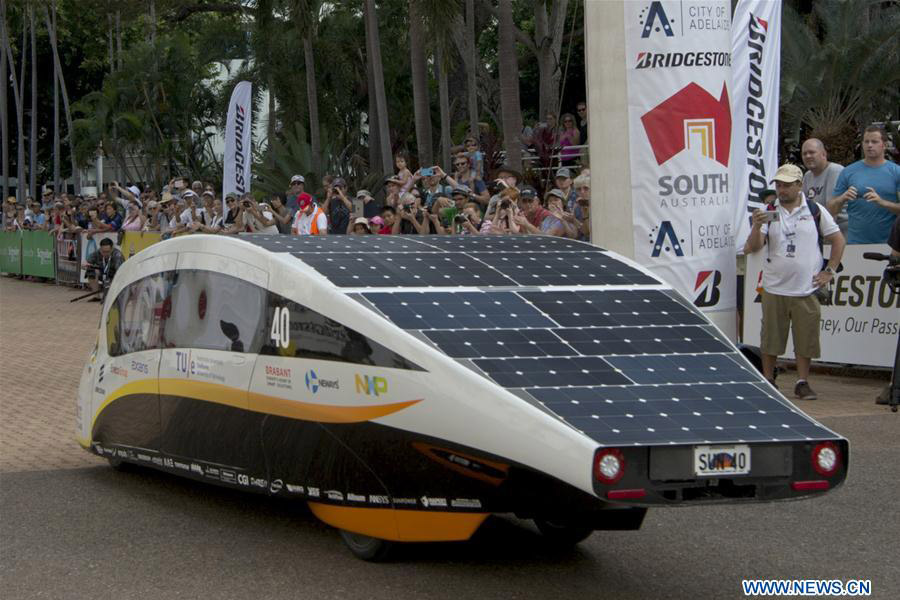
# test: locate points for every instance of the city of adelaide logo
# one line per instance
(690, 118)
(654, 18)
(706, 289)
(665, 239)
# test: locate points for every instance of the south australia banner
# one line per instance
(678, 74)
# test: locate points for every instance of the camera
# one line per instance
(460, 219)
(504, 204)
(426, 171)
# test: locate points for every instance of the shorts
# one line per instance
(784, 313)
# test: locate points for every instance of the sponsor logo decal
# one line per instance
(334, 495)
(654, 19)
(294, 489)
(405, 501)
(243, 479)
(195, 468)
(378, 499)
(428, 502)
(313, 383)
(139, 367)
(119, 371)
(663, 237)
(313, 492)
(371, 386)
(277, 371)
(259, 482)
(278, 377)
(693, 119)
(276, 486)
(706, 289)
(100, 374)
(465, 503)
(355, 497)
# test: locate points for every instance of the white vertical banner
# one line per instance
(755, 80)
(238, 149)
(678, 73)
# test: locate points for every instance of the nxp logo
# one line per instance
(706, 289)
(371, 386)
(650, 15)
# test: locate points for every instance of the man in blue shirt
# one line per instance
(869, 189)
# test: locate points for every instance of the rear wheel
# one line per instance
(563, 534)
(367, 548)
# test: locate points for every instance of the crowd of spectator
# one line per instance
(469, 198)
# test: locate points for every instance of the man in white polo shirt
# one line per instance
(792, 273)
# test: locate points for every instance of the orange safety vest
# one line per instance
(313, 226)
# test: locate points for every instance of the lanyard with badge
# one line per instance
(789, 232)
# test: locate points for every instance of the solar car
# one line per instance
(409, 387)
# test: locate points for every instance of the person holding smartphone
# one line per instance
(792, 272)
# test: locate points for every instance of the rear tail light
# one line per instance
(806, 486)
(609, 465)
(825, 458)
(626, 494)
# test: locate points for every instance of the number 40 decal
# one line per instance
(281, 327)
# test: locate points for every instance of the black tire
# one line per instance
(563, 534)
(367, 548)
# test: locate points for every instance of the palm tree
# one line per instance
(305, 17)
(32, 152)
(57, 66)
(421, 104)
(436, 14)
(837, 80)
(509, 87)
(471, 89)
(18, 93)
(373, 59)
(548, 35)
(3, 101)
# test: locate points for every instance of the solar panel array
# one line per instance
(612, 353)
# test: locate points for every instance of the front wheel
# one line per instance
(367, 548)
(563, 534)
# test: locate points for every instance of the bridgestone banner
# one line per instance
(678, 73)
(238, 150)
(861, 325)
(755, 77)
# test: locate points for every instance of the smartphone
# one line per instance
(426, 171)
(771, 215)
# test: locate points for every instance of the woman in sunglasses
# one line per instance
(569, 136)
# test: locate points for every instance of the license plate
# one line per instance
(721, 460)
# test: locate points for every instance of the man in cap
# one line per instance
(365, 200)
(507, 177)
(792, 273)
(101, 266)
(870, 191)
(294, 194)
(338, 207)
(310, 219)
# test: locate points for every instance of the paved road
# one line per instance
(70, 527)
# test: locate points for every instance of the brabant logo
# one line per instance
(664, 237)
(665, 60)
(648, 19)
(313, 383)
(690, 118)
(371, 385)
(706, 289)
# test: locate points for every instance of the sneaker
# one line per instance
(804, 392)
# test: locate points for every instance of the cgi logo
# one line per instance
(706, 289)
(690, 118)
(369, 386)
(650, 15)
(664, 237)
